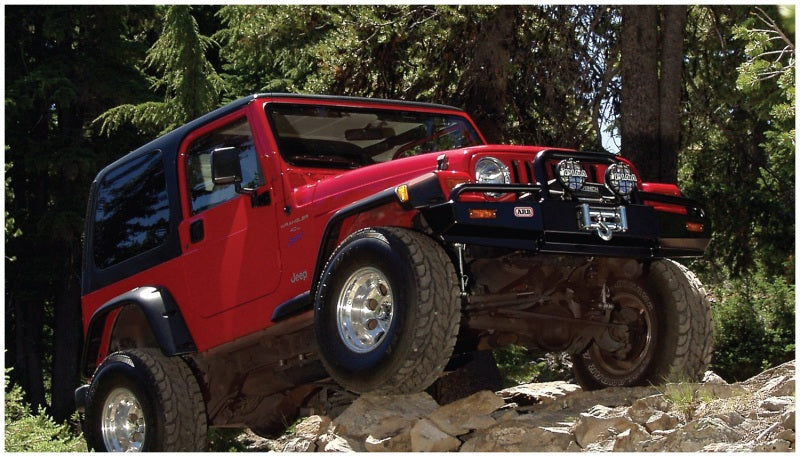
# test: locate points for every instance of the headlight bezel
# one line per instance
(489, 165)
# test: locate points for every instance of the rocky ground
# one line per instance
(755, 415)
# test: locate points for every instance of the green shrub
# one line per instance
(754, 320)
(26, 432)
(519, 365)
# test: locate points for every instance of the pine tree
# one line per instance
(64, 65)
(188, 82)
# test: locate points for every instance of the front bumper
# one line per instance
(532, 223)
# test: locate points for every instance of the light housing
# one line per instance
(489, 170)
(475, 213)
(620, 179)
(402, 192)
(571, 175)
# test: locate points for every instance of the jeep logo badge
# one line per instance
(523, 211)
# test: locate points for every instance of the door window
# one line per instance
(203, 194)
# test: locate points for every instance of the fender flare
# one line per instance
(421, 192)
(161, 312)
(328, 241)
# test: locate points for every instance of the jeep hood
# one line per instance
(338, 190)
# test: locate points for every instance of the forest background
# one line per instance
(699, 95)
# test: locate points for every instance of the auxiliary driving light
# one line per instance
(620, 179)
(571, 174)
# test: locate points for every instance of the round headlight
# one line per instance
(620, 179)
(489, 170)
(571, 174)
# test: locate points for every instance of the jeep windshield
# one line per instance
(326, 136)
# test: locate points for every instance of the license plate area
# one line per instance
(604, 221)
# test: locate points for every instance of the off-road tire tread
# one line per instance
(435, 328)
(685, 341)
(694, 341)
(177, 393)
(439, 303)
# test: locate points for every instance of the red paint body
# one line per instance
(252, 259)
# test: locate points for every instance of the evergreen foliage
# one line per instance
(747, 185)
(754, 326)
(27, 432)
(189, 83)
(430, 53)
(64, 66)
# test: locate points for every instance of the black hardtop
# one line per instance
(169, 142)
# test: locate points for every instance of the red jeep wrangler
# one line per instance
(286, 239)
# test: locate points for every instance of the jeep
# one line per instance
(236, 264)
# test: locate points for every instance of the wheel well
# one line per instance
(379, 210)
(151, 318)
(131, 330)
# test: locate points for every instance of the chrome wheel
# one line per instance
(364, 310)
(123, 423)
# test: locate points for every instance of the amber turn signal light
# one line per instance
(694, 227)
(482, 213)
(402, 192)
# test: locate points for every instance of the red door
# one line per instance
(231, 254)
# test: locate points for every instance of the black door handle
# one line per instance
(196, 231)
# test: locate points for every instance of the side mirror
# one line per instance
(225, 166)
(226, 169)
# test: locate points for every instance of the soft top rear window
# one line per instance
(342, 137)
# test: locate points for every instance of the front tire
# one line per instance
(387, 311)
(141, 400)
(670, 334)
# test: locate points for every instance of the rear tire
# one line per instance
(141, 400)
(387, 311)
(671, 332)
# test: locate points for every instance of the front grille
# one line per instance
(522, 172)
(594, 164)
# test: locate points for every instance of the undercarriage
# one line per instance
(549, 302)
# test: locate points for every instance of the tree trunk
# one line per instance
(485, 83)
(640, 111)
(67, 336)
(29, 321)
(670, 91)
(652, 67)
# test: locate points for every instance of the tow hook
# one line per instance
(603, 231)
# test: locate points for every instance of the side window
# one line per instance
(132, 211)
(203, 194)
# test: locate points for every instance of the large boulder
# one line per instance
(471, 413)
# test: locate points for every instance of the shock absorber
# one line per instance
(463, 278)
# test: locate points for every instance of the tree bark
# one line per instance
(485, 83)
(67, 334)
(639, 108)
(670, 91)
(652, 67)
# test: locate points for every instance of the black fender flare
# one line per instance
(162, 314)
(422, 191)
